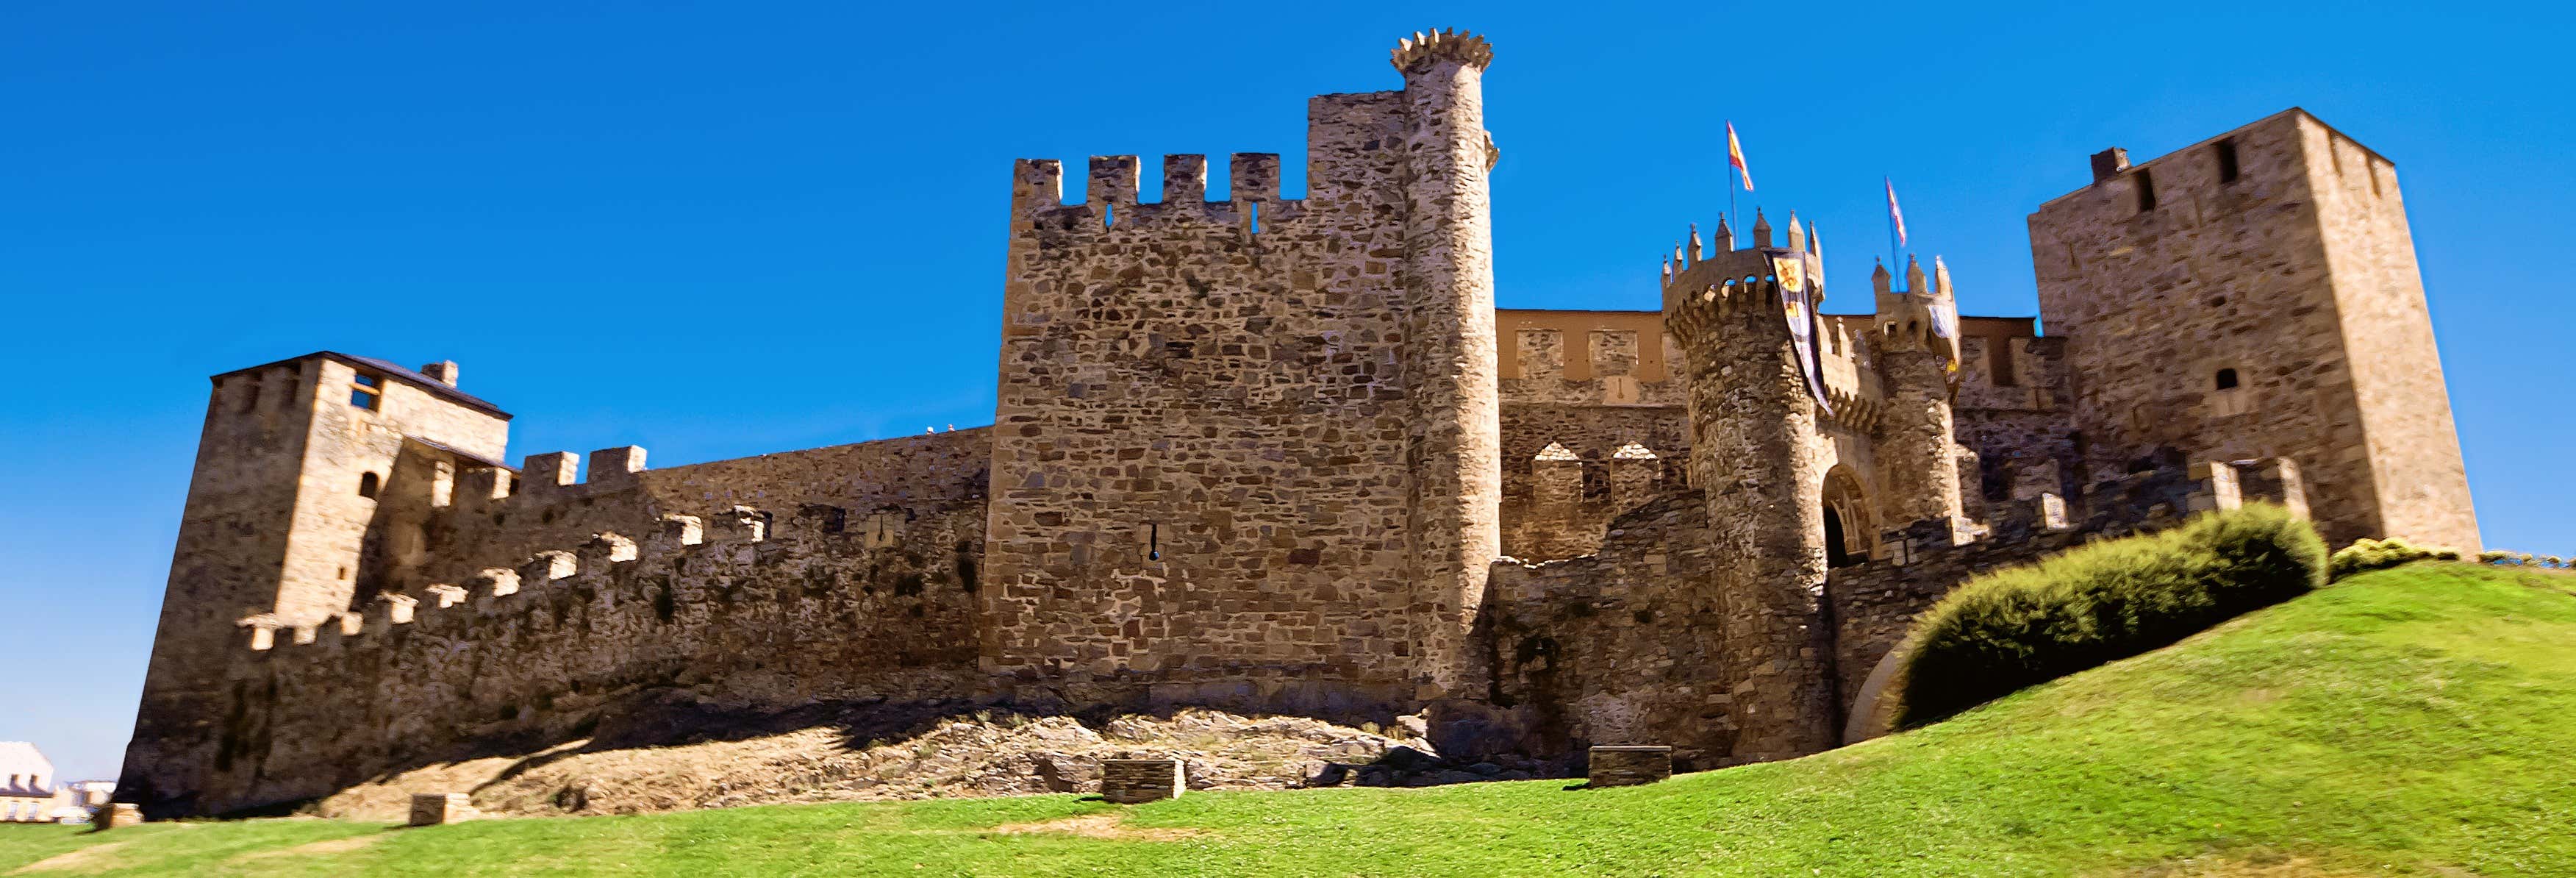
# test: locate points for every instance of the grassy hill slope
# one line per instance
(2418, 720)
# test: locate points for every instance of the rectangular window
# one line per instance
(2146, 183)
(2226, 161)
(367, 391)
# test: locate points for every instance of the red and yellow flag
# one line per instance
(1735, 156)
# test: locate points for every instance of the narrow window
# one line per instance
(2146, 183)
(367, 391)
(2227, 379)
(2226, 161)
(1154, 542)
(367, 483)
(250, 396)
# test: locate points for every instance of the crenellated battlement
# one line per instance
(1924, 316)
(1112, 196)
(1432, 46)
(500, 591)
(1700, 291)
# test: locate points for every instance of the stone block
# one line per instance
(1129, 781)
(118, 815)
(1628, 766)
(433, 809)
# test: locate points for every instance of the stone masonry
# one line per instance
(1284, 455)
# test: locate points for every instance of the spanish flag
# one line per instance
(1735, 156)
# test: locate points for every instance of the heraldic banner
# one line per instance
(1796, 306)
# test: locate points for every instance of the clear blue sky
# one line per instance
(720, 229)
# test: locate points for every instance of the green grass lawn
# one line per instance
(2413, 721)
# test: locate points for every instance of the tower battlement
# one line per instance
(1112, 198)
(1700, 287)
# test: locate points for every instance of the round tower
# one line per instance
(1918, 351)
(1753, 456)
(1449, 247)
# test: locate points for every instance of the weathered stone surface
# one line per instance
(2277, 312)
(117, 815)
(1629, 765)
(1131, 781)
(433, 809)
(1264, 454)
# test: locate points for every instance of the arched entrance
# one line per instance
(1850, 532)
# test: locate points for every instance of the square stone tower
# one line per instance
(1246, 451)
(295, 472)
(2256, 295)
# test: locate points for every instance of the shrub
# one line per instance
(2367, 555)
(2107, 601)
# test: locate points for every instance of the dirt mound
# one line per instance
(983, 754)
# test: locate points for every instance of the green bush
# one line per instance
(2100, 603)
(2367, 555)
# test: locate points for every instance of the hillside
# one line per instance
(2412, 721)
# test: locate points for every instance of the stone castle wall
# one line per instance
(1263, 453)
(1592, 383)
(2218, 317)
(1236, 458)
(734, 612)
(1621, 646)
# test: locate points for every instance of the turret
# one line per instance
(1753, 424)
(1448, 238)
(1918, 352)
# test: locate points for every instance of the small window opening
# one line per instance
(1109, 214)
(1153, 541)
(367, 391)
(2373, 169)
(2146, 183)
(2226, 161)
(2227, 379)
(1252, 217)
(367, 484)
(250, 397)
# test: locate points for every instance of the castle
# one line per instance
(1285, 455)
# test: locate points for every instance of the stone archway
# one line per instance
(1851, 531)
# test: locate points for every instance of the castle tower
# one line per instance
(1449, 244)
(1753, 428)
(2256, 295)
(283, 513)
(1918, 348)
(1246, 452)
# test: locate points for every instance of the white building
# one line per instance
(30, 793)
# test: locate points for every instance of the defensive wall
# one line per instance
(732, 588)
(1262, 453)
(1624, 645)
